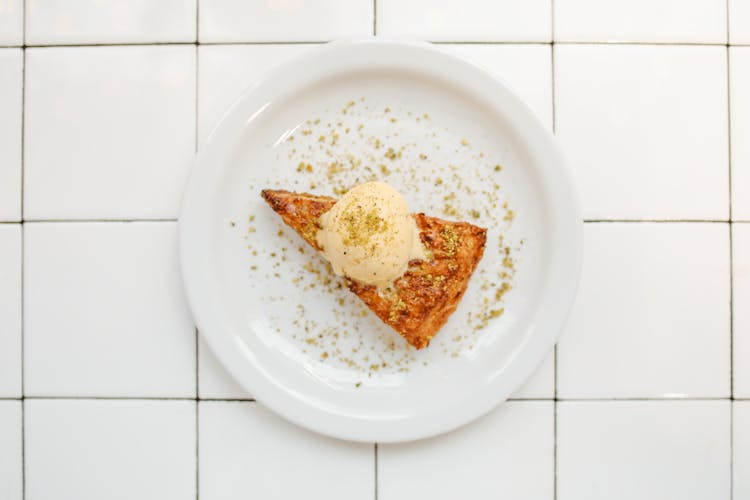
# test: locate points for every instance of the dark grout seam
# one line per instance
(23, 258)
(58, 221)
(111, 398)
(375, 453)
(436, 42)
(197, 347)
(197, 21)
(660, 221)
(586, 221)
(555, 360)
(105, 44)
(731, 262)
(252, 400)
(197, 450)
(227, 400)
(643, 399)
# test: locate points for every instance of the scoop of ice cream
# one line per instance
(369, 235)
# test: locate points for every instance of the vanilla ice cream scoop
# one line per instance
(369, 235)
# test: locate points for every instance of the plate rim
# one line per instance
(344, 426)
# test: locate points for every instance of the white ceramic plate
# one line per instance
(458, 144)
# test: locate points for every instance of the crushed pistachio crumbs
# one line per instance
(323, 154)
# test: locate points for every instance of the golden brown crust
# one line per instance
(428, 293)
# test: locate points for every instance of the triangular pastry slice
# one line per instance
(428, 292)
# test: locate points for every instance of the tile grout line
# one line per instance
(731, 359)
(23, 253)
(153, 43)
(111, 398)
(634, 42)
(659, 221)
(437, 42)
(197, 451)
(252, 400)
(731, 450)
(586, 221)
(374, 17)
(555, 360)
(197, 353)
(375, 450)
(90, 221)
(731, 262)
(731, 202)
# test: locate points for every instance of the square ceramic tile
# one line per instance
(644, 131)
(10, 450)
(541, 383)
(225, 71)
(741, 305)
(246, 451)
(739, 95)
(94, 449)
(507, 454)
(741, 447)
(214, 381)
(526, 68)
(284, 20)
(11, 22)
(10, 311)
(693, 21)
(635, 450)
(107, 300)
(739, 21)
(470, 20)
(651, 318)
(11, 68)
(110, 21)
(109, 131)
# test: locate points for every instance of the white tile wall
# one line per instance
(107, 301)
(110, 21)
(652, 314)
(739, 21)
(691, 21)
(507, 454)
(247, 451)
(10, 311)
(631, 450)
(94, 449)
(11, 68)
(11, 22)
(739, 92)
(741, 302)
(283, 20)
(11, 453)
(109, 131)
(741, 449)
(470, 20)
(645, 132)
